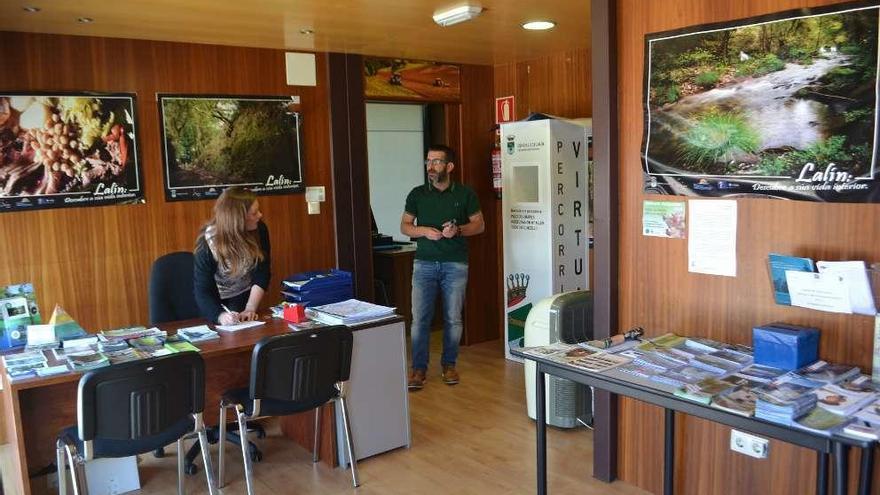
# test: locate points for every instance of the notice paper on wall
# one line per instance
(712, 237)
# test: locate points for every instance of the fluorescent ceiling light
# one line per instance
(458, 14)
(539, 25)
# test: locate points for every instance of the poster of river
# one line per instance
(60, 150)
(782, 106)
(210, 143)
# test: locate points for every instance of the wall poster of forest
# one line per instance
(781, 106)
(60, 150)
(210, 143)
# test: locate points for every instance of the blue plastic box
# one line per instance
(785, 346)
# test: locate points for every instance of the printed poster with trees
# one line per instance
(210, 143)
(779, 106)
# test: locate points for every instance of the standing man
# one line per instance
(439, 215)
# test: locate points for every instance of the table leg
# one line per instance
(669, 453)
(541, 425)
(821, 473)
(840, 468)
(866, 470)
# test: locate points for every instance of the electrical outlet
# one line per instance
(749, 445)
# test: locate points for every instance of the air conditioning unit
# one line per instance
(566, 317)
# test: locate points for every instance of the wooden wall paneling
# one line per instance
(477, 136)
(657, 292)
(558, 84)
(95, 261)
(348, 128)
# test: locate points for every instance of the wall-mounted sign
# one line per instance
(504, 110)
(399, 79)
(781, 106)
(68, 149)
(210, 143)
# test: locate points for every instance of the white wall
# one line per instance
(395, 148)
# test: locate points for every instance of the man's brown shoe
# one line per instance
(416, 379)
(450, 376)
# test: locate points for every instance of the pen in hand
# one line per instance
(232, 313)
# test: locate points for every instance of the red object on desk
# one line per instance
(295, 313)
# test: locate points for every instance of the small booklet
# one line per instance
(778, 264)
(738, 401)
(198, 333)
(598, 362)
(821, 421)
(824, 372)
(704, 390)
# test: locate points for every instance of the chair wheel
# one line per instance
(190, 469)
(159, 453)
(256, 456)
(261, 433)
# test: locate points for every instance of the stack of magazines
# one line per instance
(349, 312)
(24, 364)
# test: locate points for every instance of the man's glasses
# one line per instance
(436, 161)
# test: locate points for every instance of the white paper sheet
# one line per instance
(240, 326)
(855, 277)
(822, 291)
(712, 237)
(40, 334)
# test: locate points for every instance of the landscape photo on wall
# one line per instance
(62, 150)
(210, 143)
(780, 106)
(400, 79)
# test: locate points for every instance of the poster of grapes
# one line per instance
(210, 143)
(782, 106)
(68, 150)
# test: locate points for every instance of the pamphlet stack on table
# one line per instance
(350, 312)
(823, 398)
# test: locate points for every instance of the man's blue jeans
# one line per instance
(449, 278)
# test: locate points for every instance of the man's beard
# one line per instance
(439, 177)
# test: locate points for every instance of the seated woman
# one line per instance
(231, 272)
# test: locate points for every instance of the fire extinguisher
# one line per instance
(496, 163)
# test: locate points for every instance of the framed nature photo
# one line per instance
(781, 106)
(62, 150)
(210, 143)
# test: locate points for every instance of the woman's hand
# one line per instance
(248, 315)
(229, 318)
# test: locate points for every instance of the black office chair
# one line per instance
(133, 408)
(172, 298)
(290, 374)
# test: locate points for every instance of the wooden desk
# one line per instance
(36, 409)
(394, 269)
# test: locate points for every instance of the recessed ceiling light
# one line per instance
(306, 31)
(539, 25)
(31, 9)
(85, 20)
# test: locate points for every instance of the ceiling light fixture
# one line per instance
(539, 25)
(31, 9)
(306, 31)
(458, 14)
(85, 20)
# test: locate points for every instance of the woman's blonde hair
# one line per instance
(235, 248)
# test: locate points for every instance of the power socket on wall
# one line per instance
(749, 445)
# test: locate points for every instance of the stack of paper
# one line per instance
(349, 312)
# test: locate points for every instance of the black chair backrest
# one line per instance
(139, 399)
(171, 289)
(302, 366)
